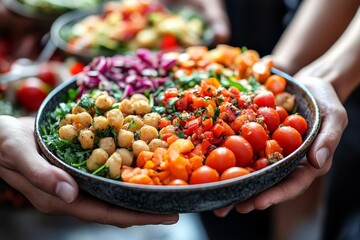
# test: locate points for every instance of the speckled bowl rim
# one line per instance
(297, 154)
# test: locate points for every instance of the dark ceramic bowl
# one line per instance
(61, 34)
(192, 198)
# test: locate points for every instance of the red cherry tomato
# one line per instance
(241, 148)
(204, 174)
(221, 159)
(288, 138)
(234, 172)
(271, 118)
(76, 67)
(255, 134)
(261, 163)
(282, 113)
(31, 93)
(298, 122)
(168, 43)
(265, 99)
(47, 75)
(276, 84)
(178, 182)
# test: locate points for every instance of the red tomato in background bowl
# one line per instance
(31, 93)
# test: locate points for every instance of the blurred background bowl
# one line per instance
(71, 39)
(184, 199)
(47, 10)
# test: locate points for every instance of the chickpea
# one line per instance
(97, 158)
(137, 96)
(133, 123)
(82, 120)
(138, 146)
(108, 144)
(100, 123)
(114, 163)
(152, 119)
(126, 106)
(63, 122)
(126, 156)
(156, 143)
(115, 118)
(77, 109)
(125, 138)
(103, 102)
(141, 107)
(99, 93)
(86, 139)
(148, 133)
(68, 132)
(69, 119)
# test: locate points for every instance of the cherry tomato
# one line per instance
(288, 138)
(282, 113)
(221, 159)
(204, 174)
(178, 182)
(76, 67)
(271, 118)
(265, 99)
(31, 93)
(261, 163)
(47, 75)
(234, 172)
(276, 84)
(255, 134)
(298, 122)
(241, 148)
(168, 43)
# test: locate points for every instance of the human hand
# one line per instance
(213, 11)
(319, 158)
(50, 189)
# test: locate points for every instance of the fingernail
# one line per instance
(245, 209)
(321, 156)
(65, 191)
(224, 211)
(169, 222)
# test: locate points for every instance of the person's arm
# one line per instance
(50, 189)
(315, 27)
(331, 79)
(340, 64)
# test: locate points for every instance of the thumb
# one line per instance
(333, 120)
(21, 156)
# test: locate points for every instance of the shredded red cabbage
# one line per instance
(146, 70)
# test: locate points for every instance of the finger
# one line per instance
(333, 121)
(21, 156)
(292, 186)
(223, 212)
(85, 207)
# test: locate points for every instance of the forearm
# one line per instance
(315, 27)
(340, 64)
